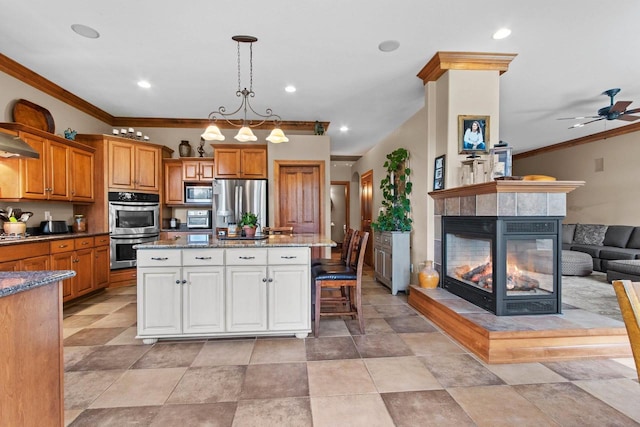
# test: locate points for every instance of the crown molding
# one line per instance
(35, 80)
(444, 61)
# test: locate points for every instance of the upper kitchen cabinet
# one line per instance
(197, 170)
(246, 161)
(134, 166)
(64, 171)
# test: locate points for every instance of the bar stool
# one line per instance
(344, 254)
(347, 280)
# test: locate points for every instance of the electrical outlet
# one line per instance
(47, 215)
(411, 268)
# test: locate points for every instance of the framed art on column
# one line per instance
(438, 173)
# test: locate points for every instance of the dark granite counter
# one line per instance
(46, 237)
(13, 282)
(208, 240)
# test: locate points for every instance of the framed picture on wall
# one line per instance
(473, 134)
(438, 173)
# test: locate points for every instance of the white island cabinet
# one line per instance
(188, 292)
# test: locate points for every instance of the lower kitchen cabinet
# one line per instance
(223, 292)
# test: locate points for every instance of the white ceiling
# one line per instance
(569, 52)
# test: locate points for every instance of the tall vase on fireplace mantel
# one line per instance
(428, 276)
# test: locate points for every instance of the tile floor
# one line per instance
(403, 372)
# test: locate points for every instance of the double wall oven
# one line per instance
(133, 218)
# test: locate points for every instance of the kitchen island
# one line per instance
(31, 378)
(201, 286)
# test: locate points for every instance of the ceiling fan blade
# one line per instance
(635, 110)
(578, 118)
(579, 125)
(628, 118)
(620, 106)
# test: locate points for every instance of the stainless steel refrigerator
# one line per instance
(233, 197)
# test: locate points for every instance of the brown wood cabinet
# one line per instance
(123, 277)
(177, 172)
(197, 170)
(134, 166)
(78, 255)
(32, 374)
(64, 171)
(248, 161)
(25, 257)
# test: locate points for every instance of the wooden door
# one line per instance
(57, 160)
(227, 162)
(101, 267)
(64, 261)
(121, 167)
(147, 174)
(81, 177)
(254, 163)
(173, 187)
(206, 171)
(33, 173)
(83, 266)
(366, 212)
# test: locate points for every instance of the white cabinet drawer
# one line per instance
(196, 257)
(159, 257)
(247, 256)
(285, 256)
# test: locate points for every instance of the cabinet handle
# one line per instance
(85, 243)
(288, 257)
(203, 257)
(62, 246)
(270, 280)
(177, 282)
(247, 257)
(264, 279)
(184, 281)
(159, 258)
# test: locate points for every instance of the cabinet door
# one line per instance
(63, 261)
(173, 186)
(101, 267)
(33, 171)
(246, 303)
(83, 266)
(254, 163)
(81, 176)
(190, 170)
(227, 162)
(206, 171)
(10, 266)
(159, 301)
(388, 266)
(203, 299)
(57, 163)
(38, 263)
(121, 165)
(146, 167)
(289, 297)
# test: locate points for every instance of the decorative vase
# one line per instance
(184, 148)
(249, 231)
(429, 277)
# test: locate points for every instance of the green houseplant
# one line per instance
(396, 188)
(249, 222)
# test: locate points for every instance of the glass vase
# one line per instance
(428, 276)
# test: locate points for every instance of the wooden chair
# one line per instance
(347, 280)
(344, 254)
(278, 230)
(628, 294)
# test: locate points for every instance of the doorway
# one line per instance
(339, 195)
(366, 212)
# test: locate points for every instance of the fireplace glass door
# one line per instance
(470, 260)
(529, 267)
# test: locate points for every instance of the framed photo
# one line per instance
(438, 173)
(473, 134)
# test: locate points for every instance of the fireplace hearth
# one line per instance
(506, 265)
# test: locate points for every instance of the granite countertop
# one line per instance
(47, 237)
(208, 240)
(12, 282)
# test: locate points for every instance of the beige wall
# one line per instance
(610, 196)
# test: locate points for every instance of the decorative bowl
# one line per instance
(15, 227)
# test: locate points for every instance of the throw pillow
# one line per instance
(568, 231)
(589, 234)
(634, 240)
(617, 235)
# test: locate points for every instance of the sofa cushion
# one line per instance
(617, 235)
(589, 234)
(609, 252)
(568, 231)
(634, 240)
(593, 250)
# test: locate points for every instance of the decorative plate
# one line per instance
(30, 114)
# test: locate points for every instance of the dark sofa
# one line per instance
(604, 243)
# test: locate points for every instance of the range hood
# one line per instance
(11, 146)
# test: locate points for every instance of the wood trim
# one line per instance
(277, 164)
(347, 186)
(155, 122)
(508, 187)
(18, 127)
(444, 61)
(622, 130)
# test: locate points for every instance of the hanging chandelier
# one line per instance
(245, 134)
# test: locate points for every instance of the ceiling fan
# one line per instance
(617, 111)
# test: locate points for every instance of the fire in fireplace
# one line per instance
(506, 265)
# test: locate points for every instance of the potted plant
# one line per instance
(249, 222)
(395, 190)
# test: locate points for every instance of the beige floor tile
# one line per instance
(427, 408)
(81, 388)
(400, 374)
(124, 290)
(496, 406)
(370, 312)
(289, 412)
(169, 355)
(339, 377)
(428, 343)
(359, 410)
(140, 387)
(275, 381)
(525, 373)
(73, 355)
(628, 362)
(81, 321)
(70, 416)
(215, 353)
(128, 337)
(67, 332)
(209, 385)
(371, 326)
(103, 308)
(205, 415)
(333, 328)
(377, 299)
(278, 351)
(110, 417)
(459, 370)
(116, 320)
(623, 394)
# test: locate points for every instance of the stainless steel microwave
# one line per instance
(198, 194)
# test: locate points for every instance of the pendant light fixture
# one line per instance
(245, 134)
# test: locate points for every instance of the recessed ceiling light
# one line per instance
(85, 31)
(144, 84)
(290, 88)
(344, 128)
(389, 45)
(502, 33)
